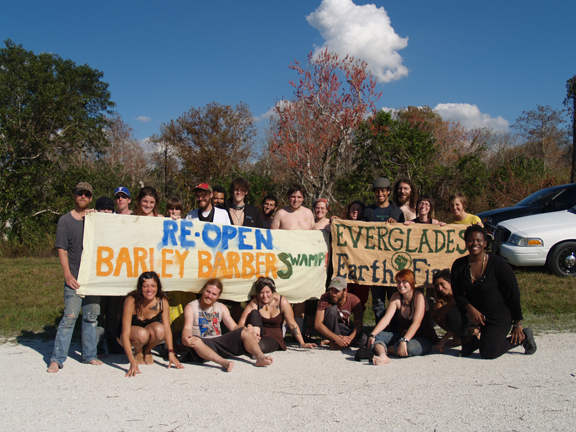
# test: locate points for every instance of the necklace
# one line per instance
(240, 218)
(481, 270)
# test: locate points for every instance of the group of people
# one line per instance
(477, 303)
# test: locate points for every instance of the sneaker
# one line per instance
(529, 343)
(469, 347)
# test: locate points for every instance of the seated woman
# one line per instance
(266, 312)
(487, 295)
(147, 202)
(145, 323)
(425, 209)
(457, 203)
(444, 302)
(416, 335)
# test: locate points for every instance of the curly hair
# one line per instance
(413, 192)
(475, 228)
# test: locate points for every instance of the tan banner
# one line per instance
(185, 253)
(371, 253)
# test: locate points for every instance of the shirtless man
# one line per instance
(269, 204)
(405, 197)
(321, 208)
(202, 332)
(294, 216)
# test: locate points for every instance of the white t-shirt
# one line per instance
(220, 216)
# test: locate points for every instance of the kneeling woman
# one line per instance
(416, 335)
(146, 323)
(266, 313)
(487, 296)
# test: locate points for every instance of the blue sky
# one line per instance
(482, 63)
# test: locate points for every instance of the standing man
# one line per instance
(122, 200)
(382, 211)
(218, 196)
(405, 197)
(295, 217)
(333, 316)
(69, 241)
(206, 212)
(241, 213)
(269, 204)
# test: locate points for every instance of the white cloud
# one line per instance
(265, 116)
(471, 117)
(363, 32)
(143, 119)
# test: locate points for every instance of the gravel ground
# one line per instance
(318, 390)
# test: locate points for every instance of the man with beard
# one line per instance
(333, 317)
(69, 238)
(202, 332)
(206, 212)
(269, 204)
(406, 196)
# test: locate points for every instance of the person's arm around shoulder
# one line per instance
(390, 311)
(288, 314)
(172, 359)
(127, 313)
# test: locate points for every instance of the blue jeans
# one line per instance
(90, 306)
(416, 346)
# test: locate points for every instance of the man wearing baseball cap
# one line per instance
(206, 212)
(69, 237)
(333, 316)
(122, 199)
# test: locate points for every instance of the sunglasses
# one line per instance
(86, 194)
(121, 196)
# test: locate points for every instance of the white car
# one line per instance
(542, 239)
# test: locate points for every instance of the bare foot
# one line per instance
(264, 360)
(325, 342)
(139, 357)
(53, 368)
(148, 359)
(95, 362)
(381, 360)
(228, 367)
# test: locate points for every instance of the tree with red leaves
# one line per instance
(313, 133)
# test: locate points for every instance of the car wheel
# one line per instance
(562, 259)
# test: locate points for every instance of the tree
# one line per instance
(51, 112)
(313, 133)
(545, 134)
(211, 140)
(571, 95)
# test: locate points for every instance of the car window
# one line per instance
(538, 198)
(566, 199)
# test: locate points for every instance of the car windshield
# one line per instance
(538, 198)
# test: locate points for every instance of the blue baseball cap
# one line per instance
(122, 189)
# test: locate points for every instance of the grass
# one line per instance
(32, 302)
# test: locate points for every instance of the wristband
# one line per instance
(516, 325)
(404, 340)
(372, 335)
(170, 351)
